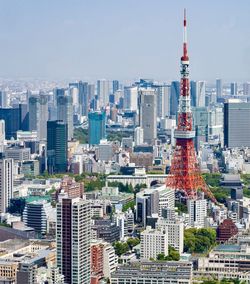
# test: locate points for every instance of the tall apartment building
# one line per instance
(197, 210)
(73, 240)
(153, 243)
(147, 114)
(138, 136)
(236, 124)
(6, 183)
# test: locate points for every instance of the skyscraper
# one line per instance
(57, 146)
(246, 89)
(198, 93)
(147, 114)
(103, 92)
(83, 98)
(234, 89)
(174, 99)
(219, 88)
(131, 98)
(73, 240)
(138, 136)
(236, 124)
(97, 127)
(38, 114)
(116, 86)
(197, 211)
(11, 116)
(3, 99)
(163, 100)
(65, 112)
(6, 183)
(2, 132)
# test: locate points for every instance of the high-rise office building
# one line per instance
(6, 184)
(57, 146)
(197, 211)
(200, 122)
(2, 133)
(246, 89)
(236, 124)
(24, 117)
(198, 93)
(3, 99)
(65, 113)
(163, 100)
(11, 116)
(147, 114)
(83, 98)
(103, 92)
(39, 114)
(73, 240)
(116, 85)
(219, 88)
(174, 98)
(57, 92)
(138, 136)
(130, 98)
(97, 127)
(234, 89)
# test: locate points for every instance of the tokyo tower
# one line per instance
(185, 175)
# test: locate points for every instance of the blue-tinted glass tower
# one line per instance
(97, 127)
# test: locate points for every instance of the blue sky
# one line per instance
(123, 39)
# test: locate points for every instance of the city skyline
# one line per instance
(93, 39)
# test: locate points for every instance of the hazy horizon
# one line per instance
(123, 40)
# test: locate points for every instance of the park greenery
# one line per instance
(129, 205)
(173, 255)
(124, 247)
(199, 240)
(81, 135)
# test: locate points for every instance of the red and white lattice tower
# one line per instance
(185, 173)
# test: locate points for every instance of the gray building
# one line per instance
(18, 153)
(174, 272)
(65, 112)
(103, 92)
(198, 93)
(236, 124)
(38, 114)
(147, 114)
(6, 183)
(163, 100)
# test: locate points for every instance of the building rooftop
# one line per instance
(228, 248)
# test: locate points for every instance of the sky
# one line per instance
(124, 39)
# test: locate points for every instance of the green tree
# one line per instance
(120, 248)
(132, 242)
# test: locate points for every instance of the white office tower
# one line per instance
(2, 134)
(147, 114)
(219, 88)
(163, 100)
(131, 98)
(121, 222)
(73, 240)
(215, 125)
(197, 210)
(74, 93)
(153, 242)
(103, 92)
(138, 136)
(198, 93)
(6, 183)
(175, 229)
(3, 99)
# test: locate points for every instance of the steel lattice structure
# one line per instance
(185, 173)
